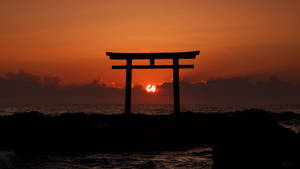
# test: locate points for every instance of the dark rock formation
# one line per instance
(254, 140)
(248, 139)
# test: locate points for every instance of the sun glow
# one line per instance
(151, 88)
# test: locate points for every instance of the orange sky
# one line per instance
(69, 38)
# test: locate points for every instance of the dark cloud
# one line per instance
(26, 88)
(242, 91)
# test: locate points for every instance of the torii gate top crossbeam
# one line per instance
(172, 55)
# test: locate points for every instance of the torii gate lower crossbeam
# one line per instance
(152, 56)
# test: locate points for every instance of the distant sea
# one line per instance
(150, 109)
(200, 157)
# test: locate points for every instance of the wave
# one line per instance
(6, 159)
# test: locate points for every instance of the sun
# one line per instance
(150, 88)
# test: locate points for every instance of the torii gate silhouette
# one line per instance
(152, 56)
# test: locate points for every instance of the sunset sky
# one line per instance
(69, 38)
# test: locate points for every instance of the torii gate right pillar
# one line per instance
(176, 90)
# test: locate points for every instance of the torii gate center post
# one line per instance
(152, 56)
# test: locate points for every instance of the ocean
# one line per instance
(200, 157)
(150, 109)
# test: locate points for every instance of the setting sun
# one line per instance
(151, 88)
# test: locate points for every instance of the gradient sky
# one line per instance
(69, 38)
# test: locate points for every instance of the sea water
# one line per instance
(150, 109)
(200, 157)
(196, 158)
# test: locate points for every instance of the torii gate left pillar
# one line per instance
(152, 56)
(128, 86)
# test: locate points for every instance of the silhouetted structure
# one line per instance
(152, 56)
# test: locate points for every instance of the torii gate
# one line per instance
(152, 56)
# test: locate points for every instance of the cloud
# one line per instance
(23, 87)
(27, 88)
(242, 90)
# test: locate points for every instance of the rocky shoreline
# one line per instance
(246, 139)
